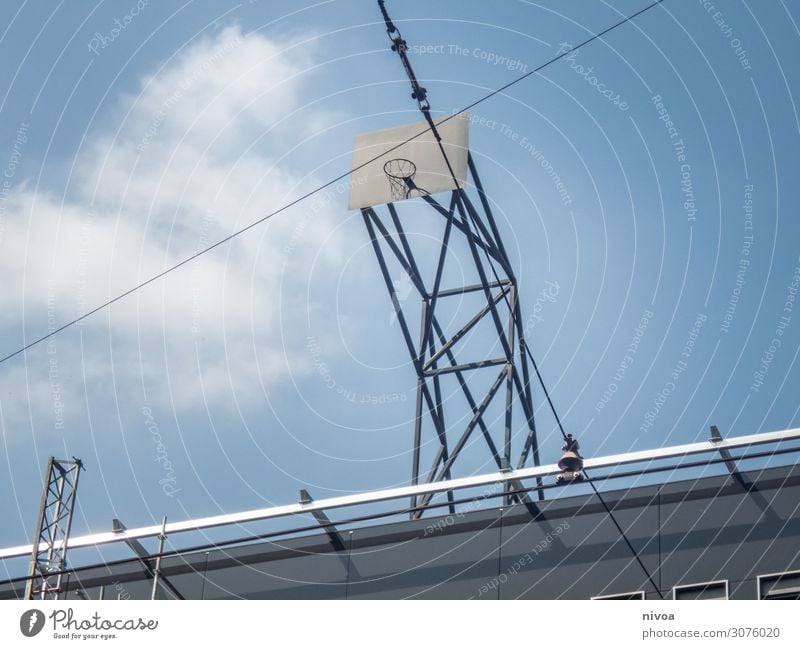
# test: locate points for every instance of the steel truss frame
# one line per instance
(49, 550)
(434, 355)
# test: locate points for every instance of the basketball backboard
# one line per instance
(421, 158)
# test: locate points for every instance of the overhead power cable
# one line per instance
(318, 189)
(566, 438)
(420, 94)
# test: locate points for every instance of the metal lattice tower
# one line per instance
(438, 356)
(49, 554)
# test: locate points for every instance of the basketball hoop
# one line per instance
(414, 168)
(400, 173)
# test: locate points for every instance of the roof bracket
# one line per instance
(141, 552)
(324, 522)
(716, 436)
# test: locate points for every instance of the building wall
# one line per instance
(685, 533)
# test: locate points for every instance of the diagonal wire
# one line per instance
(400, 48)
(318, 189)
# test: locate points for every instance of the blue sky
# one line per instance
(273, 363)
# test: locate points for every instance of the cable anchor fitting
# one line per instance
(571, 462)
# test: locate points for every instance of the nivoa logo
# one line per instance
(31, 622)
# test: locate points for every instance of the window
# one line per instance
(708, 590)
(639, 594)
(783, 585)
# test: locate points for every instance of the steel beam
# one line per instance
(465, 366)
(464, 330)
(498, 477)
(472, 288)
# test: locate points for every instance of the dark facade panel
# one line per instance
(744, 532)
(577, 552)
(731, 532)
(302, 576)
(446, 558)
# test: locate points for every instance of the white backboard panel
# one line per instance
(370, 185)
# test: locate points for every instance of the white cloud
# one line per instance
(195, 155)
